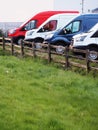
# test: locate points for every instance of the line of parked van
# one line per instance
(50, 26)
(80, 33)
(17, 34)
(68, 28)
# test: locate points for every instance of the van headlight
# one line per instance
(81, 38)
(11, 31)
(48, 36)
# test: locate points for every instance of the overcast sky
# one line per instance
(21, 10)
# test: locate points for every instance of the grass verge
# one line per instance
(37, 96)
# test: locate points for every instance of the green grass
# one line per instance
(35, 95)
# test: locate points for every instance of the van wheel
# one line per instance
(19, 41)
(93, 53)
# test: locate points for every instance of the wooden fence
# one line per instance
(58, 54)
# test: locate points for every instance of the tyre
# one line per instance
(60, 49)
(93, 53)
(19, 41)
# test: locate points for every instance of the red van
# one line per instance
(17, 34)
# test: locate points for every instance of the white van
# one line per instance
(50, 26)
(87, 40)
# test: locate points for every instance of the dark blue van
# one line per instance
(81, 23)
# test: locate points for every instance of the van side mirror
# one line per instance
(67, 31)
(64, 30)
(24, 29)
(41, 30)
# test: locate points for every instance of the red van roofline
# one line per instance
(52, 12)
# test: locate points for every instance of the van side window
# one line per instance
(95, 34)
(30, 25)
(50, 26)
(73, 27)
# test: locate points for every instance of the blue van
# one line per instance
(81, 23)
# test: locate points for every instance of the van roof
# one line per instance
(55, 17)
(56, 12)
(91, 14)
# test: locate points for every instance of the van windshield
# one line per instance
(74, 26)
(30, 25)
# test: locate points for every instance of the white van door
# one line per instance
(49, 27)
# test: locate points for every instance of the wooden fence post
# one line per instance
(33, 49)
(66, 57)
(49, 53)
(87, 61)
(22, 48)
(3, 41)
(12, 47)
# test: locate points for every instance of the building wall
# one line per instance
(9, 25)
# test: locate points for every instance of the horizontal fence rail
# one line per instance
(52, 53)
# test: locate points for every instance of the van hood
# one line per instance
(29, 34)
